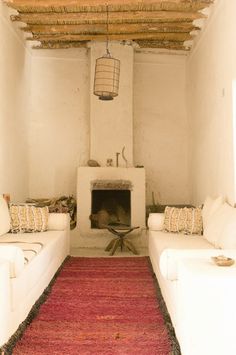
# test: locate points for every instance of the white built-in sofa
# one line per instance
(28, 262)
(200, 296)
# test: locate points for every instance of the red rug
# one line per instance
(99, 306)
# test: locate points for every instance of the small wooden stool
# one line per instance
(121, 232)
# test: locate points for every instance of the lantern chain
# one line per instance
(107, 49)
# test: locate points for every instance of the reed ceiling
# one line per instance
(73, 23)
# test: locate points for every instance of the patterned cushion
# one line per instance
(185, 220)
(28, 218)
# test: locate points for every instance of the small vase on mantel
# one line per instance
(109, 162)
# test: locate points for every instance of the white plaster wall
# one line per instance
(14, 84)
(160, 125)
(111, 122)
(59, 121)
(211, 69)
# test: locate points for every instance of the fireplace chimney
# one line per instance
(111, 122)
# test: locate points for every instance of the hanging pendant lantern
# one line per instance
(107, 74)
(106, 80)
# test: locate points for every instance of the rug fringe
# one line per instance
(7, 349)
(174, 342)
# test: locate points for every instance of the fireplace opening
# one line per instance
(110, 207)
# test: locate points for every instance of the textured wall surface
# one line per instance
(14, 83)
(68, 124)
(160, 126)
(59, 121)
(46, 103)
(210, 71)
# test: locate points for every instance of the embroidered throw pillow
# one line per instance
(27, 218)
(185, 220)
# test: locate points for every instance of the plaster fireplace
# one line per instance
(110, 194)
(131, 198)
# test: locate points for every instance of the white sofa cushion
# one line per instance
(57, 221)
(170, 258)
(156, 221)
(159, 241)
(15, 257)
(5, 222)
(227, 238)
(216, 223)
(54, 246)
(210, 207)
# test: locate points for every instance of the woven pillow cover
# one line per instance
(28, 218)
(185, 220)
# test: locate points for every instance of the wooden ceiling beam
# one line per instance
(100, 18)
(162, 44)
(142, 44)
(116, 37)
(100, 5)
(113, 28)
(73, 23)
(60, 45)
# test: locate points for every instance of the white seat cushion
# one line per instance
(53, 246)
(162, 240)
(170, 259)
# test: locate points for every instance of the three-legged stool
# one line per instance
(120, 240)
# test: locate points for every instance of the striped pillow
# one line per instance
(185, 220)
(28, 218)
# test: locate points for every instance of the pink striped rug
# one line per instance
(98, 306)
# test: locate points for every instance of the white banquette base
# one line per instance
(199, 295)
(160, 241)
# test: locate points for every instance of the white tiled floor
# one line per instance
(96, 252)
